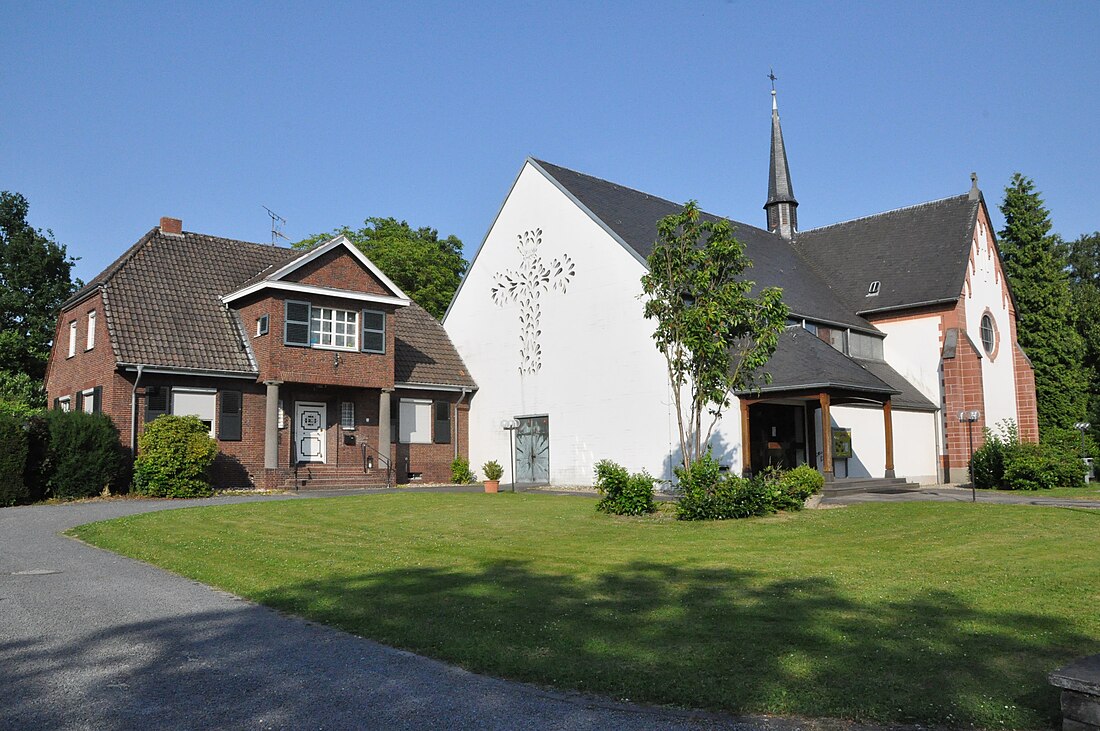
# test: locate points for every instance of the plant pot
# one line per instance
(492, 485)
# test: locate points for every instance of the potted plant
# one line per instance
(493, 471)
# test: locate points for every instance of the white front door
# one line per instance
(309, 431)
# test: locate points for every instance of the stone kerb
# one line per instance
(1080, 685)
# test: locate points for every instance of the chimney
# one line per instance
(974, 192)
(171, 226)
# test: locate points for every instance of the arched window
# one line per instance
(989, 334)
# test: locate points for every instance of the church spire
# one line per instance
(782, 207)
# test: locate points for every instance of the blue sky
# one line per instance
(113, 115)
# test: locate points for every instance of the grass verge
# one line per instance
(911, 612)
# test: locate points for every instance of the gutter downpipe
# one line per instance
(133, 411)
(457, 403)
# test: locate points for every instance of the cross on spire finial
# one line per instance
(773, 77)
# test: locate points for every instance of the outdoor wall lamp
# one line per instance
(510, 426)
(970, 417)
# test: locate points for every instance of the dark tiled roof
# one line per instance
(164, 309)
(633, 216)
(908, 396)
(918, 254)
(423, 352)
(802, 361)
(164, 300)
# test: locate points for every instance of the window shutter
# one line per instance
(79, 401)
(296, 325)
(374, 331)
(56, 404)
(156, 402)
(229, 419)
(97, 400)
(442, 422)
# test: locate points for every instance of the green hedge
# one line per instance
(707, 493)
(623, 493)
(174, 456)
(83, 454)
(1005, 463)
(13, 461)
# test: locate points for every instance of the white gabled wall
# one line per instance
(602, 382)
(984, 292)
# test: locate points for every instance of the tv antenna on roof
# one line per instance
(277, 223)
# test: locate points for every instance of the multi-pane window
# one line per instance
(374, 331)
(333, 328)
(91, 331)
(989, 335)
(347, 415)
(65, 403)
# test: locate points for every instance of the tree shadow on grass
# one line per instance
(724, 639)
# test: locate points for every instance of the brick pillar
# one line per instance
(384, 426)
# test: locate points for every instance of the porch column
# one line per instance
(826, 438)
(271, 425)
(888, 423)
(384, 426)
(746, 454)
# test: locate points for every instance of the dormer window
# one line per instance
(873, 287)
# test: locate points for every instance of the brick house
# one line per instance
(312, 368)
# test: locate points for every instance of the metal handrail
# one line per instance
(391, 477)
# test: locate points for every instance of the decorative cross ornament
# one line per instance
(524, 286)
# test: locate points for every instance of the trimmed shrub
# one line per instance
(1040, 467)
(460, 471)
(84, 456)
(36, 476)
(797, 485)
(710, 494)
(624, 493)
(492, 470)
(174, 456)
(13, 461)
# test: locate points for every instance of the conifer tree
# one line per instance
(1036, 266)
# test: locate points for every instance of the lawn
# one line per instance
(912, 612)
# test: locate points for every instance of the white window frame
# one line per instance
(212, 392)
(372, 330)
(263, 325)
(65, 403)
(411, 428)
(328, 322)
(72, 338)
(90, 340)
(347, 415)
(87, 401)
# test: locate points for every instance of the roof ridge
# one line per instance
(655, 197)
(882, 213)
(609, 182)
(237, 241)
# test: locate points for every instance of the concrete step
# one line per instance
(863, 484)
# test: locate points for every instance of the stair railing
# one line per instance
(391, 477)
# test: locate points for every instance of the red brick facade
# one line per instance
(305, 374)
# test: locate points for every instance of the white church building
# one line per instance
(899, 322)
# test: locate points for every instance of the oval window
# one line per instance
(989, 335)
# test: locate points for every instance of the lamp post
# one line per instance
(970, 417)
(1082, 426)
(510, 426)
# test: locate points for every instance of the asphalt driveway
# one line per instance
(91, 640)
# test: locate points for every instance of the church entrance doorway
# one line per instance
(778, 436)
(533, 450)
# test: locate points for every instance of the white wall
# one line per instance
(602, 381)
(914, 442)
(984, 292)
(912, 348)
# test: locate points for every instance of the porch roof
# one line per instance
(802, 363)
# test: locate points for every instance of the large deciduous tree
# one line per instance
(1036, 266)
(715, 336)
(1083, 256)
(426, 267)
(35, 278)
